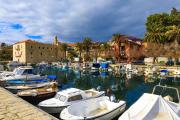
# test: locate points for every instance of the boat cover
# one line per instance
(104, 65)
(152, 107)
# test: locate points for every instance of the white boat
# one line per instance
(152, 107)
(176, 72)
(67, 97)
(94, 109)
(20, 73)
(15, 89)
(155, 107)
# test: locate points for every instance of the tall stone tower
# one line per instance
(56, 42)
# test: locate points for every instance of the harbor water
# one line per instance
(118, 86)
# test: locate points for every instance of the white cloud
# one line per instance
(74, 19)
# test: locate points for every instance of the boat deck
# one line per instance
(98, 111)
(15, 108)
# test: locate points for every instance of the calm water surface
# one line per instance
(119, 86)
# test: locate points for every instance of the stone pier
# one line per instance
(14, 108)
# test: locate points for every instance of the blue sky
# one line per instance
(72, 20)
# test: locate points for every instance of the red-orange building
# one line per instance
(127, 49)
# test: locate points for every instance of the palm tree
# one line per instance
(96, 48)
(79, 47)
(71, 54)
(155, 37)
(173, 34)
(64, 48)
(105, 47)
(87, 44)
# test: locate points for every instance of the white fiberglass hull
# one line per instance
(109, 116)
(71, 113)
(23, 77)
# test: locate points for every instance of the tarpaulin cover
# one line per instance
(152, 107)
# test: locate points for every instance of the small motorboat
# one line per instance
(20, 73)
(164, 72)
(152, 107)
(66, 97)
(39, 94)
(16, 88)
(176, 72)
(94, 109)
(104, 65)
(163, 104)
(18, 82)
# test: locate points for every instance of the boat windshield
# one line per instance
(167, 91)
(18, 71)
(60, 97)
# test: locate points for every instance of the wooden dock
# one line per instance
(14, 108)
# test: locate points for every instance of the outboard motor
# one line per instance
(98, 88)
(112, 98)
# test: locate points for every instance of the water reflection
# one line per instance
(126, 86)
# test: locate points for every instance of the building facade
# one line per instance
(127, 49)
(30, 51)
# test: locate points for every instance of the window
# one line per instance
(28, 71)
(31, 53)
(74, 98)
(41, 54)
(39, 47)
(60, 97)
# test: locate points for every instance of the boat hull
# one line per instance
(107, 116)
(38, 98)
(52, 110)
(110, 115)
(58, 109)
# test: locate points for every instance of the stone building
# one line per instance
(30, 51)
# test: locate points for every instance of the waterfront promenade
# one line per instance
(15, 108)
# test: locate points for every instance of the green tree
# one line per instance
(164, 29)
(3, 44)
(155, 37)
(87, 44)
(156, 27)
(96, 49)
(79, 48)
(173, 34)
(71, 54)
(64, 48)
(105, 47)
(6, 53)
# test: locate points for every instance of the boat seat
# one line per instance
(102, 105)
(88, 94)
(97, 111)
